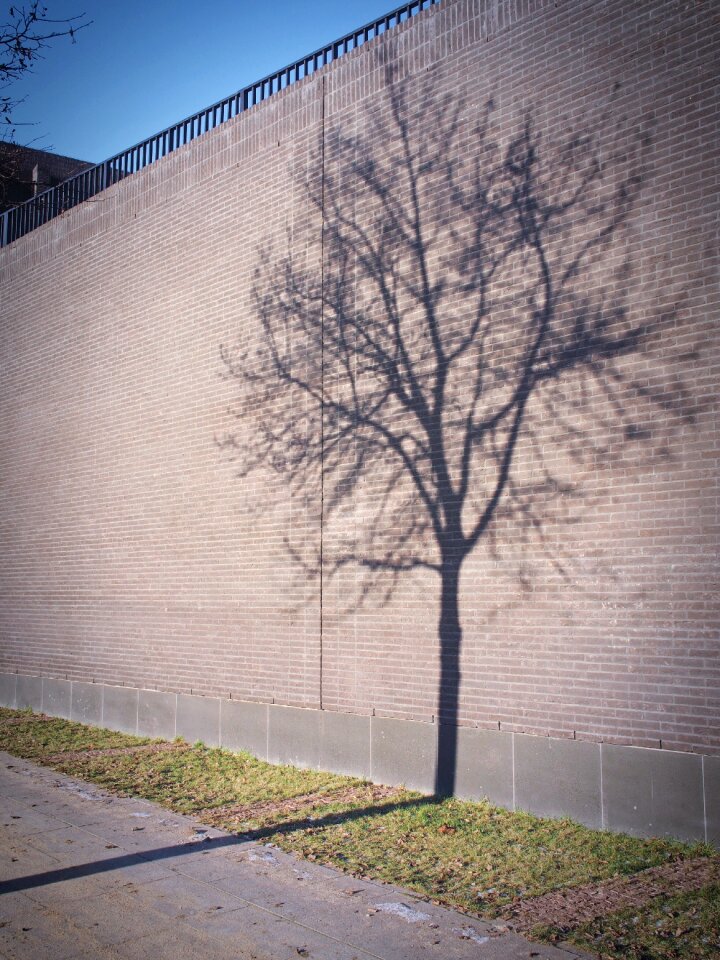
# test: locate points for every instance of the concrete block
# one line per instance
(86, 702)
(558, 778)
(345, 744)
(198, 718)
(711, 782)
(120, 708)
(653, 792)
(7, 689)
(294, 736)
(156, 714)
(244, 726)
(56, 697)
(484, 766)
(403, 752)
(28, 693)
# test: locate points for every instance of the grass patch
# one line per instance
(684, 927)
(473, 855)
(196, 777)
(469, 855)
(35, 736)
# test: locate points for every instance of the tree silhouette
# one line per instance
(465, 319)
(26, 33)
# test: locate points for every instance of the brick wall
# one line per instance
(170, 522)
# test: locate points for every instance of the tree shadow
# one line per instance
(191, 848)
(459, 353)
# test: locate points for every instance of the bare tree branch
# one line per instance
(23, 38)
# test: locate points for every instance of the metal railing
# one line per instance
(51, 203)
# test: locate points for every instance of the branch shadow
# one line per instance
(461, 355)
(161, 854)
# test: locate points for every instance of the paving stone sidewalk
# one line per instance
(88, 876)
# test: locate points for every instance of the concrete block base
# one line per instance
(403, 751)
(86, 703)
(8, 685)
(198, 718)
(557, 778)
(294, 736)
(156, 714)
(120, 709)
(28, 693)
(57, 697)
(244, 726)
(631, 789)
(650, 792)
(485, 765)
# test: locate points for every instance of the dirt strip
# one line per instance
(233, 814)
(24, 719)
(145, 748)
(574, 906)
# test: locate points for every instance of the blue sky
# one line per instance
(142, 66)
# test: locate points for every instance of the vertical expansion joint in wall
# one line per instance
(322, 380)
(512, 767)
(602, 788)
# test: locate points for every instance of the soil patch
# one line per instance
(24, 719)
(577, 905)
(146, 748)
(235, 814)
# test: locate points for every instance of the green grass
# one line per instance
(469, 855)
(684, 927)
(198, 777)
(26, 735)
(473, 855)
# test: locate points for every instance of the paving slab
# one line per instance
(138, 881)
(31, 931)
(109, 916)
(17, 818)
(180, 942)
